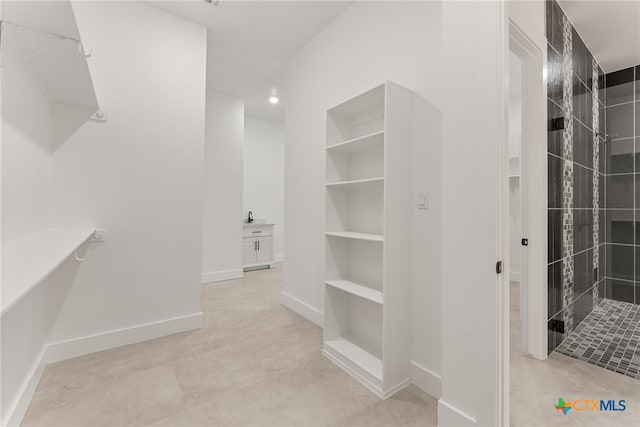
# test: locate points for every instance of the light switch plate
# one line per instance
(422, 199)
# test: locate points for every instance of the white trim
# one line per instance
(23, 398)
(362, 376)
(448, 415)
(219, 276)
(278, 258)
(55, 352)
(116, 338)
(534, 190)
(514, 276)
(426, 380)
(303, 309)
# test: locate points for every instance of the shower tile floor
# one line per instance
(608, 337)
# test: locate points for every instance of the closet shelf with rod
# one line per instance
(29, 260)
(56, 57)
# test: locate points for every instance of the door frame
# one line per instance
(533, 189)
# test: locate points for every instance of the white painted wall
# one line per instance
(139, 176)
(26, 147)
(367, 44)
(222, 221)
(26, 171)
(472, 157)
(529, 15)
(263, 175)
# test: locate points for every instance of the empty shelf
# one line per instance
(357, 236)
(54, 52)
(27, 261)
(357, 355)
(362, 142)
(355, 182)
(356, 289)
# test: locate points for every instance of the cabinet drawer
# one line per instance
(257, 231)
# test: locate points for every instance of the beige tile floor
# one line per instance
(536, 386)
(254, 363)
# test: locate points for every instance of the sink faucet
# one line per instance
(250, 218)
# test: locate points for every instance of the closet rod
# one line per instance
(58, 36)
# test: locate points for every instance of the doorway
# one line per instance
(527, 192)
(517, 263)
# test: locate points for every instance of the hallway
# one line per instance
(254, 362)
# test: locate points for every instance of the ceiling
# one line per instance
(609, 28)
(249, 41)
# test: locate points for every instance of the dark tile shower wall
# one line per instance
(576, 108)
(621, 168)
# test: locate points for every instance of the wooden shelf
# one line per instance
(356, 236)
(357, 289)
(355, 182)
(27, 261)
(360, 143)
(357, 355)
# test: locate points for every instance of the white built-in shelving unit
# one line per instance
(368, 236)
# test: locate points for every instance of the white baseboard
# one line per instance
(303, 309)
(26, 392)
(426, 380)
(277, 258)
(514, 276)
(116, 338)
(372, 383)
(219, 276)
(57, 351)
(450, 416)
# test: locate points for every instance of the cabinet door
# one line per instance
(264, 249)
(249, 251)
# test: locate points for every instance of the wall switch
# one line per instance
(423, 200)
(99, 236)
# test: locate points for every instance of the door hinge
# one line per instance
(499, 267)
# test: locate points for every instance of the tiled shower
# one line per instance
(622, 185)
(575, 118)
(594, 201)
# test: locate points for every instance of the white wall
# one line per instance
(529, 16)
(222, 222)
(474, 152)
(367, 44)
(139, 176)
(26, 147)
(263, 175)
(26, 171)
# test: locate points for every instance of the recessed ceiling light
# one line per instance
(273, 99)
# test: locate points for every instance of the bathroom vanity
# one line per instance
(257, 246)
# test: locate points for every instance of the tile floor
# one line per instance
(536, 386)
(254, 363)
(608, 337)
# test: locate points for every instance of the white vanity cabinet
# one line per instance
(257, 246)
